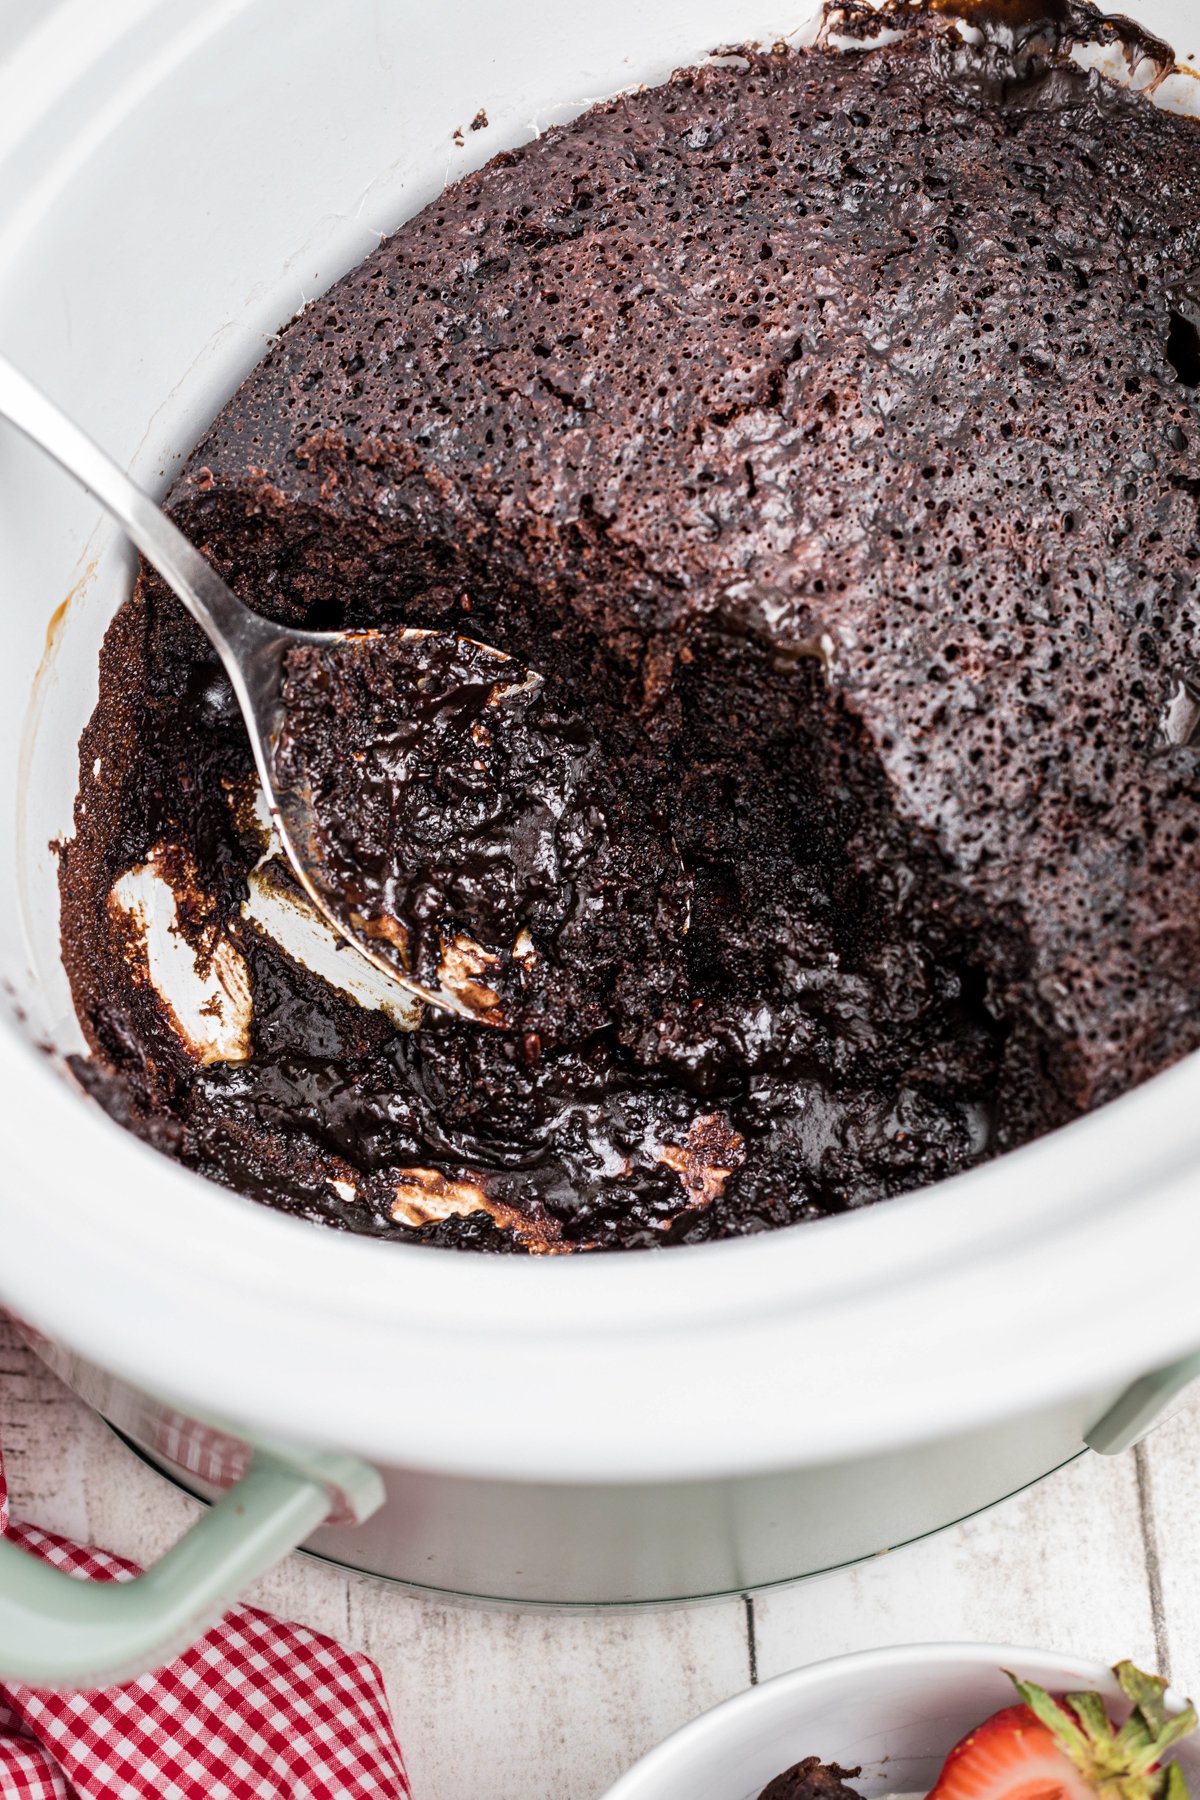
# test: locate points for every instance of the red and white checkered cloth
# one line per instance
(257, 1710)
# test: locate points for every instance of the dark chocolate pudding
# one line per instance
(467, 825)
(822, 426)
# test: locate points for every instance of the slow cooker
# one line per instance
(174, 184)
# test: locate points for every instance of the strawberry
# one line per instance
(1048, 1749)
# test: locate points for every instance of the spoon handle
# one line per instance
(235, 631)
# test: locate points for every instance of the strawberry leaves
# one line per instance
(1124, 1764)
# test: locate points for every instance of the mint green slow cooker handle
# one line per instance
(1141, 1406)
(58, 1631)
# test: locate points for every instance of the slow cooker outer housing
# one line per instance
(173, 186)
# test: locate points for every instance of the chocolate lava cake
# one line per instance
(822, 426)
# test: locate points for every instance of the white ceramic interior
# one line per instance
(895, 1713)
(174, 183)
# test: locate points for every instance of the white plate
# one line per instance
(895, 1713)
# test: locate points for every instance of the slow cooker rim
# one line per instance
(173, 1283)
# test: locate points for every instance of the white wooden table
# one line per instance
(1102, 1559)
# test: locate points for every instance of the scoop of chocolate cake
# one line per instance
(812, 1780)
(822, 425)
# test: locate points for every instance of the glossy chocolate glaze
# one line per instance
(468, 823)
(823, 430)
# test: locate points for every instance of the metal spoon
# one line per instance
(254, 652)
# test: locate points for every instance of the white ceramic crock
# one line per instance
(892, 1713)
(174, 183)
